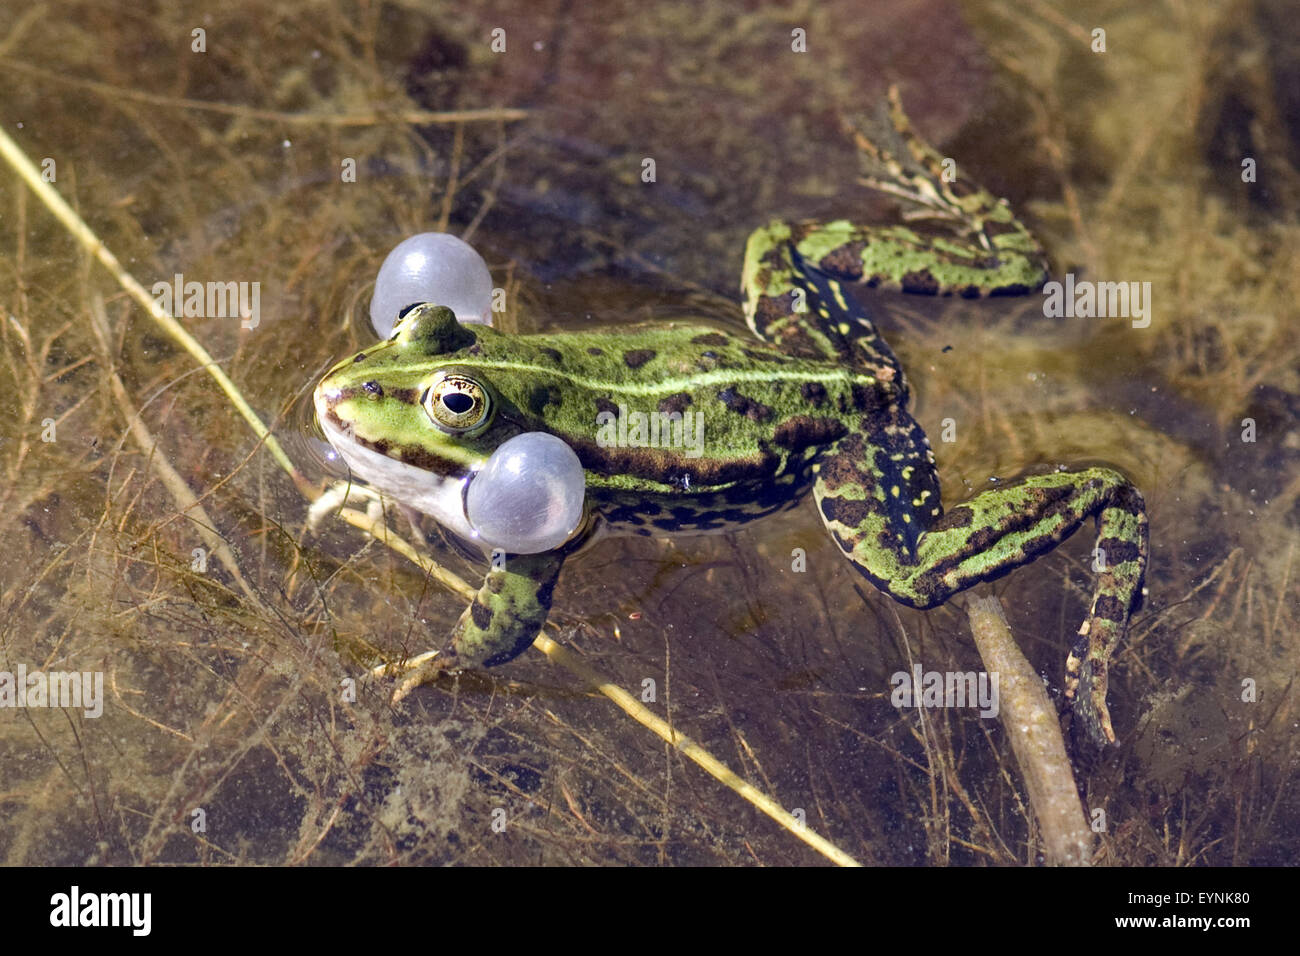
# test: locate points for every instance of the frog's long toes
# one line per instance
(425, 668)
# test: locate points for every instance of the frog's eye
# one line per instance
(457, 403)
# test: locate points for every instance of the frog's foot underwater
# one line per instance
(816, 400)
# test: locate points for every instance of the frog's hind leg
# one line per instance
(801, 307)
(780, 303)
(874, 518)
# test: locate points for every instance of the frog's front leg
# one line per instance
(508, 612)
(868, 496)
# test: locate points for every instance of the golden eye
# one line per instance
(457, 403)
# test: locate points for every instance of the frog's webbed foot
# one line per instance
(993, 252)
(874, 505)
(1085, 689)
(899, 162)
(420, 670)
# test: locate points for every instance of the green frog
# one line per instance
(813, 400)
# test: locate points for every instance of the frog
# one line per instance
(811, 400)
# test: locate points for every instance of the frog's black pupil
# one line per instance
(405, 309)
(458, 403)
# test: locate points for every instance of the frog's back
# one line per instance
(676, 408)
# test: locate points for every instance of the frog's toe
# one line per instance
(418, 670)
(330, 501)
(342, 494)
(423, 675)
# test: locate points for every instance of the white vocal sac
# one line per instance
(432, 267)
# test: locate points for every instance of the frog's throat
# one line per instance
(441, 497)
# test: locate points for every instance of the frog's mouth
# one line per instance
(440, 496)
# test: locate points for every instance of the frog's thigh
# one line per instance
(508, 612)
(780, 304)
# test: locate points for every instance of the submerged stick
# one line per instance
(1031, 724)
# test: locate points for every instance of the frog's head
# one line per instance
(423, 428)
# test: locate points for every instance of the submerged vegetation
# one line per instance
(152, 538)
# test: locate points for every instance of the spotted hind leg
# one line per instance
(781, 304)
(872, 507)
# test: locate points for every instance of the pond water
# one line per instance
(613, 166)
